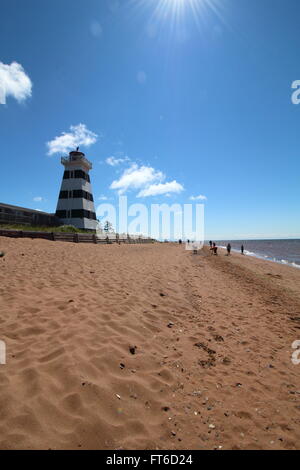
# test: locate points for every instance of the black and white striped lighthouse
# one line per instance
(76, 203)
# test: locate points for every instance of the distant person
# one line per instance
(210, 244)
(215, 249)
(188, 242)
(228, 249)
(180, 242)
(242, 249)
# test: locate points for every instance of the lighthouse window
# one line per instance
(81, 174)
(66, 175)
(61, 214)
(79, 193)
(77, 213)
(63, 195)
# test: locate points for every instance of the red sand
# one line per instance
(211, 335)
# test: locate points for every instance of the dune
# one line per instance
(146, 347)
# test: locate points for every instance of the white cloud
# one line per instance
(38, 199)
(114, 5)
(113, 161)
(96, 29)
(161, 188)
(198, 198)
(141, 77)
(78, 135)
(14, 82)
(102, 198)
(137, 177)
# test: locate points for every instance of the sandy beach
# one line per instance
(146, 347)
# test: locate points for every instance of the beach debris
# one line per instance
(295, 318)
(238, 385)
(205, 348)
(122, 366)
(226, 361)
(132, 349)
(218, 338)
(2, 254)
(277, 276)
(212, 426)
(165, 408)
(173, 433)
(162, 294)
(211, 353)
(118, 396)
(170, 325)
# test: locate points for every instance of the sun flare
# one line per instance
(176, 10)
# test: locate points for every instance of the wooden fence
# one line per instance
(73, 237)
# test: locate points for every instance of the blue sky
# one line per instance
(191, 94)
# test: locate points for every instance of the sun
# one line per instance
(177, 8)
(175, 14)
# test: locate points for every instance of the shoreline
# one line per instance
(262, 257)
(146, 347)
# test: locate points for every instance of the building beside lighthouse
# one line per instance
(76, 203)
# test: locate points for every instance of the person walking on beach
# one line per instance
(228, 249)
(210, 244)
(214, 249)
(242, 249)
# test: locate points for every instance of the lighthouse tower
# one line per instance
(76, 203)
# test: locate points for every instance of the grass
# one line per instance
(29, 228)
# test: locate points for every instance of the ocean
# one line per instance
(279, 251)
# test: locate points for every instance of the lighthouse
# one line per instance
(76, 203)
